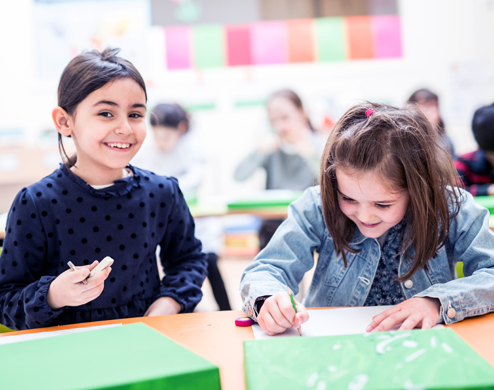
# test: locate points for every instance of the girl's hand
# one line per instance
(68, 290)
(277, 314)
(162, 307)
(422, 312)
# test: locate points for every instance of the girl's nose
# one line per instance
(124, 128)
(365, 215)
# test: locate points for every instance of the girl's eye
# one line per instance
(348, 200)
(135, 115)
(383, 206)
(105, 114)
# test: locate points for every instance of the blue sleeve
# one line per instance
(472, 243)
(23, 286)
(288, 255)
(184, 264)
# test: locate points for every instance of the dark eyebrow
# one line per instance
(106, 102)
(110, 103)
(383, 201)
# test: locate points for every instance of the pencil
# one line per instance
(72, 266)
(294, 307)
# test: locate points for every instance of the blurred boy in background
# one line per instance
(476, 169)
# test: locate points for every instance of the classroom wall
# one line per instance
(446, 48)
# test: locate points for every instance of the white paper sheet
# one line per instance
(54, 333)
(331, 322)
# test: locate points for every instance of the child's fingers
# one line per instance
(301, 317)
(271, 327)
(411, 322)
(273, 307)
(427, 323)
(285, 307)
(77, 276)
(392, 320)
(100, 277)
(92, 266)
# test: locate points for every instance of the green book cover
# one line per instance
(134, 357)
(487, 202)
(418, 360)
(268, 199)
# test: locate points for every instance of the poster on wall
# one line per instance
(63, 29)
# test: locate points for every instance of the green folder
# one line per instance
(275, 200)
(418, 359)
(487, 202)
(133, 357)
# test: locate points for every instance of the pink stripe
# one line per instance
(238, 45)
(387, 36)
(178, 47)
(268, 43)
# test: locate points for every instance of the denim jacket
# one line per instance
(289, 255)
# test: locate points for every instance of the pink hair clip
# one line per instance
(369, 112)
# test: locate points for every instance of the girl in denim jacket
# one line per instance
(389, 224)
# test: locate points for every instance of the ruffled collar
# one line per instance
(119, 188)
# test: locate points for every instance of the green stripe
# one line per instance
(330, 39)
(200, 106)
(250, 103)
(209, 46)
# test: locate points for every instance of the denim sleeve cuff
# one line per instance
(250, 307)
(451, 309)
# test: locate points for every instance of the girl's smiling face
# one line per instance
(108, 128)
(370, 202)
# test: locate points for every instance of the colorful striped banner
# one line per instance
(209, 46)
(359, 37)
(330, 39)
(387, 36)
(238, 45)
(301, 40)
(178, 47)
(281, 42)
(268, 43)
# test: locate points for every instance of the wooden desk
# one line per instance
(215, 337)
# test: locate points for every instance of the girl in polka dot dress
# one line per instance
(97, 205)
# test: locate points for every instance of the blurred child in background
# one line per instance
(173, 149)
(290, 158)
(428, 102)
(476, 169)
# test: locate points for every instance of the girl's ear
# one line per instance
(62, 121)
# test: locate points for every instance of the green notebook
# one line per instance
(266, 199)
(487, 202)
(133, 357)
(418, 359)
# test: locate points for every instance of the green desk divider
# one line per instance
(132, 357)
(266, 200)
(418, 359)
(486, 201)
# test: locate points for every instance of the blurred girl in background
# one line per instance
(290, 157)
(173, 149)
(428, 102)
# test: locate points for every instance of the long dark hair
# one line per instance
(87, 73)
(296, 101)
(425, 95)
(401, 146)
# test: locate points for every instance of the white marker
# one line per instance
(106, 262)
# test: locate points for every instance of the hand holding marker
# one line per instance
(294, 307)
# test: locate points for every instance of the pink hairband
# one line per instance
(369, 112)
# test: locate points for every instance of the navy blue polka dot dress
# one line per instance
(62, 218)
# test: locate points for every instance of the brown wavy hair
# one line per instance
(402, 147)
